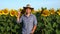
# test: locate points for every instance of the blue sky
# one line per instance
(16, 4)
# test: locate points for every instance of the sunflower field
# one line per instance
(48, 21)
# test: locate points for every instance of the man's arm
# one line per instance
(34, 24)
(34, 28)
(18, 18)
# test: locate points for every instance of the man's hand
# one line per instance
(34, 28)
(32, 32)
(18, 15)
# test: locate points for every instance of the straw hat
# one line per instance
(28, 6)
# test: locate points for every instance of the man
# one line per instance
(29, 20)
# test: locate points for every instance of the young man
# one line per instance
(29, 20)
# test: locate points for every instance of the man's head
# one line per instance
(28, 8)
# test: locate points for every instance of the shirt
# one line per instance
(28, 23)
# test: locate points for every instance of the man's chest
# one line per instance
(28, 19)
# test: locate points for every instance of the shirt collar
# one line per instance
(26, 16)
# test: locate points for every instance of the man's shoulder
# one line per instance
(33, 15)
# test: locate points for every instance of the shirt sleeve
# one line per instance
(34, 20)
(20, 20)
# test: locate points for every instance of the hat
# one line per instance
(28, 6)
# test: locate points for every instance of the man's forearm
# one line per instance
(18, 19)
(34, 28)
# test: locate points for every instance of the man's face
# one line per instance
(28, 10)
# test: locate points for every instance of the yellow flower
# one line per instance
(1, 12)
(16, 14)
(58, 12)
(52, 11)
(45, 13)
(12, 12)
(5, 11)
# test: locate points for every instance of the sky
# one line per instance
(36, 4)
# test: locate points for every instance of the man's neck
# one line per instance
(27, 14)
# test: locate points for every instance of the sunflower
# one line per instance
(12, 12)
(58, 12)
(52, 11)
(5, 11)
(1, 12)
(16, 14)
(45, 13)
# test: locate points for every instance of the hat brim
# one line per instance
(28, 7)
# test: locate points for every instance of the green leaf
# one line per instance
(8, 28)
(54, 25)
(57, 31)
(16, 27)
(2, 29)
